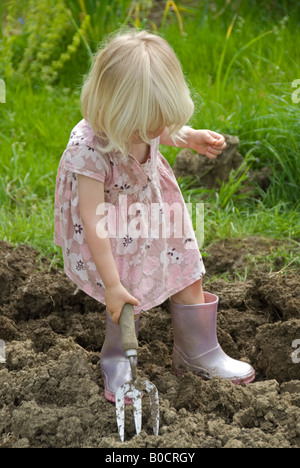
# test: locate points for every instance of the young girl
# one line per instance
(135, 98)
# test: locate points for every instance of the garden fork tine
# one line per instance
(136, 397)
(135, 386)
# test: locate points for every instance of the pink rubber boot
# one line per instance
(115, 366)
(196, 346)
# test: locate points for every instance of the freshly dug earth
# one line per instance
(51, 392)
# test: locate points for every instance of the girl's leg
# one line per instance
(192, 294)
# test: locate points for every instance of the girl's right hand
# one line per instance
(115, 298)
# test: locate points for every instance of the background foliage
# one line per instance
(240, 59)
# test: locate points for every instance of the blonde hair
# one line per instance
(135, 85)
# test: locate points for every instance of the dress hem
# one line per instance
(151, 305)
(165, 296)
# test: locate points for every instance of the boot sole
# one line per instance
(246, 380)
(111, 397)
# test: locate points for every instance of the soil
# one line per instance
(211, 173)
(51, 392)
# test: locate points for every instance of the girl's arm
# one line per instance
(206, 142)
(91, 194)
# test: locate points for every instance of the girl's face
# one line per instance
(136, 139)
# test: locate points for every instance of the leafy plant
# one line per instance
(44, 40)
(38, 43)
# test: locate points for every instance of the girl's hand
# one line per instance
(207, 142)
(115, 298)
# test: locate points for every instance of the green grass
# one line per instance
(240, 69)
(35, 129)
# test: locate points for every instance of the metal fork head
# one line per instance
(136, 396)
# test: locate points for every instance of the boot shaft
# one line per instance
(194, 326)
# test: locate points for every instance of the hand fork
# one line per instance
(136, 386)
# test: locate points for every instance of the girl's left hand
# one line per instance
(207, 142)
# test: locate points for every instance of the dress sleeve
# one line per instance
(85, 160)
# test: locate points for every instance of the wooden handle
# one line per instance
(126, 322)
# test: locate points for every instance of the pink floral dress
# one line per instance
(155, 256)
